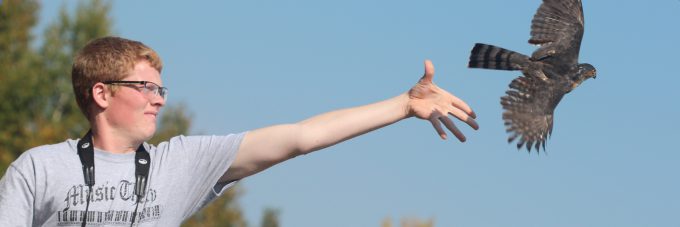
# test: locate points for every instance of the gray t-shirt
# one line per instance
(45, 185)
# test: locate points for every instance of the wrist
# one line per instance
(404, 105)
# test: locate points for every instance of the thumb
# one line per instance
(429, 71)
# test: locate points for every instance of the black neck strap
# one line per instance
(142, 160)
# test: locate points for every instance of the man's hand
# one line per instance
(429, 102)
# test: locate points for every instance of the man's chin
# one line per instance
(150, 134)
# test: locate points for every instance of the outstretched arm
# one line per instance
(265, 147)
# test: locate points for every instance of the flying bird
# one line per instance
(548, 74)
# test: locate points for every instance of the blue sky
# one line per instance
(612, 159)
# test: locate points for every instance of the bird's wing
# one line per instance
(529, 106)
(557, 27)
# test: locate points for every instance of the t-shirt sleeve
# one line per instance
(16, 195)
(200, 161)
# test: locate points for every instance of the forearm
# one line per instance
(265, 147)
(333, 127)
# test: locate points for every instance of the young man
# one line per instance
(118, 87)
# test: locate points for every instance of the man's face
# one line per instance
(133, 109)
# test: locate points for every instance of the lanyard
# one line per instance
(86, 155)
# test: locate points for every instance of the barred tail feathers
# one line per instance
(492, 57)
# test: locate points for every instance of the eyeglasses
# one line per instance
(150, 88)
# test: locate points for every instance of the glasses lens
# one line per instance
(155, 89)
(163, 92)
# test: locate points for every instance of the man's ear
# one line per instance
(101, 95)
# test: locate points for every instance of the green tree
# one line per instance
(223, 212)
(17, 78)
(37, 99)
(409, 222)
(270, 218)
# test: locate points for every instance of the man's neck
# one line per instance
(113, 144)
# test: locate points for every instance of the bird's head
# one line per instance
(586, 71)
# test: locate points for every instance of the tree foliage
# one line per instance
(17, 79)
(270, 218)
(38, 105)
(223, 212)
(409, 222)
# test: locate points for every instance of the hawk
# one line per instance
(551, 72)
